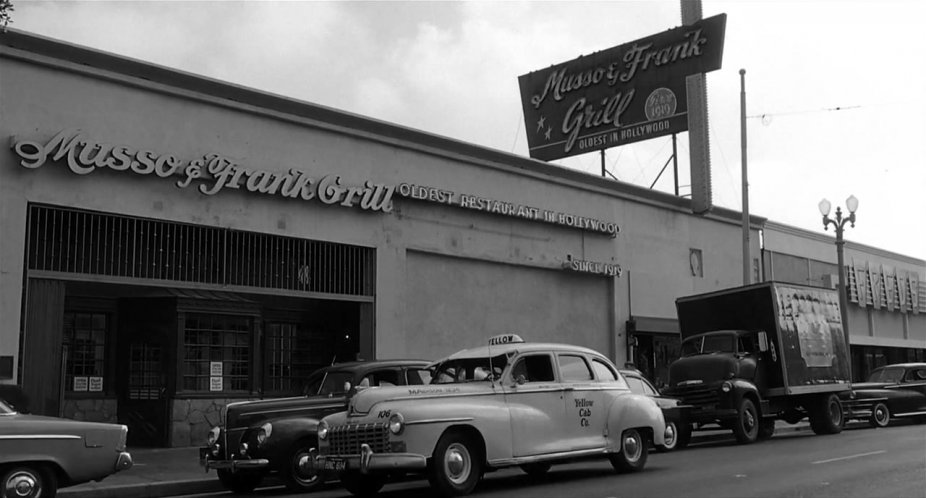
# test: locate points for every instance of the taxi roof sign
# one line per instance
(505, 339)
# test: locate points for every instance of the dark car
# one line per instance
(274, 436)
(891, 391)
(39, 455)
(678, 428)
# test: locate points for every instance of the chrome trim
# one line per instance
(41, 436)
(505, 462)
(303, 408)
(233, 465)
(908, 414)
(440, 420)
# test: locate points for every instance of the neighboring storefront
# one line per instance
(887, 295)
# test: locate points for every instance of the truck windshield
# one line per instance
(469, 370)
(719, 343)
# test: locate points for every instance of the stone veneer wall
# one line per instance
(91, 410)
(191, 419)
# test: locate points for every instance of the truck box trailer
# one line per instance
(757, 353)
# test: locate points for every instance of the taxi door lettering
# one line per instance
(585, 410)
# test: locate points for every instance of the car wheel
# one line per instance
(239, 482)
(671, 437)
(536, 469)
(880, 415)
(827, 416)
(456, 465)
(297, 475)
(28, 482)
(362, 484)
(633, 453)
(766, 428)
(746, 426)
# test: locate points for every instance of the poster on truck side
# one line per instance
(813, 340)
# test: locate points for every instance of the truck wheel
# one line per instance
(633, 453)
(359, 484)
(297, 476)
(671, 437)
(766, 428)
(746, 426)
(456, 466)
(239, 482)
(28, 481)
(826, 417)
(880, 415)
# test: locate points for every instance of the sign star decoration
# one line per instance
(541, 122)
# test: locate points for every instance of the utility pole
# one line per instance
(747, 260)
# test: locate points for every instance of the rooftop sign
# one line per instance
(621, 95)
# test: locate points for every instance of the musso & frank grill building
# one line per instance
(171, 243)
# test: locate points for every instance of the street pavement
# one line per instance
(163, 472)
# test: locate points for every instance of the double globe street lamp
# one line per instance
(839, 223)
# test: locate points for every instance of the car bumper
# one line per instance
(233, 465)
(124, 461)
(367, 461)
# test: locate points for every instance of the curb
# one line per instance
(147, 490)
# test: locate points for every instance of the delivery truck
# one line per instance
(759, 353)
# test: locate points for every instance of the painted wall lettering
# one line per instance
(505, 208)
(212, 173)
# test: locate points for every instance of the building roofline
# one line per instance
(821, 237)
(34, 48)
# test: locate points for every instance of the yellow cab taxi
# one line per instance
(508, 403)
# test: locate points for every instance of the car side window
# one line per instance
(380, 378)
(603, 371)
(573, 368)
(418, 376)
(533, 368)
(635, 384)
(916, 375)
(648, 388)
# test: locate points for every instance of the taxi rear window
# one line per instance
(605, 373)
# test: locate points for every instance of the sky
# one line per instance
(835, 90)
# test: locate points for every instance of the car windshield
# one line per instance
(718, 343)
(469, 370)
(891, 375)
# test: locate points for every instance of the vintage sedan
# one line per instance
(509, 403)
(39, 454)
(891, 391)
(678, 428)
(274, 436)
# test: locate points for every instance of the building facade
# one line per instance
(172, 243)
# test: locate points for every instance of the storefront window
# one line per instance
(217, 352)
(292, 354)
(85, 347)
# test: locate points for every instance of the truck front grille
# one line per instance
(697, 395)
(346, 439)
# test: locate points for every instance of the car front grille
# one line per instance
(346, 439)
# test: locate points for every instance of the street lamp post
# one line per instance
(839, 223)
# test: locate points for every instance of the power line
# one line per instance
(769, 115)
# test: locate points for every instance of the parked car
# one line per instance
(273, 436)
(674, 411)
(508, 403)
(39, 455)
(891, 391)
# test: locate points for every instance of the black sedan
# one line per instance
(891, 391)
(678, 429)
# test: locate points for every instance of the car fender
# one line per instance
(285, 432)
(634, 411)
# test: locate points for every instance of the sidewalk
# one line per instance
(163, 472)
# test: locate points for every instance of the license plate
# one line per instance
(335, 464)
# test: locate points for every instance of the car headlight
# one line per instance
(727, 386)
(213, 435)
(264, 433)
(396, 423)
(322, 430)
